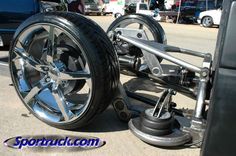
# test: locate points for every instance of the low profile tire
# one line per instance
(207, 22)
(64, 68)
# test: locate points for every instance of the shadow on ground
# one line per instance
(105, 122)
(108, 120)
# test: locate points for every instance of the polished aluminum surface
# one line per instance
(157, 52)
(150, 59)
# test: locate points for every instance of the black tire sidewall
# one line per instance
(153, 25)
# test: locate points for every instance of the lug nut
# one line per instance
(139, 35)
(48, 79)
(204, 74)
(46, 69)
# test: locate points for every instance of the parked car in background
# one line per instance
(118, 8)
(53, 5)
(93, 7)
(140, 8)
(210, 18)
(107, 7)
(119, 11)
(190, 10)
(13, 13)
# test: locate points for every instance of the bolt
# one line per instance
(139, 35)
(119, 32)
(46, 69)
(204, 73)
(174, 92)
(48, 79)
(63, 84)
(155, 71)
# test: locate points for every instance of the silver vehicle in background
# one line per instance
(93, 6)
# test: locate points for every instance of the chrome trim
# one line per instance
(1, 42)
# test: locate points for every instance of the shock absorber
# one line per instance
(129, 62)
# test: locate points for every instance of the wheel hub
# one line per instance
(53, 76)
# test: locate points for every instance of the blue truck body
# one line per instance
(14, 12)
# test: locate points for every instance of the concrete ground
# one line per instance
(15, 120)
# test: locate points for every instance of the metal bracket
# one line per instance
(121, 104)
(160, 50)
(163, 102)
(151, 60)
(154, 48)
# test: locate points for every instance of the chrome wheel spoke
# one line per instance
(81, 63)
(89, 83)
(51, 44)
(60, 100)
(78, 75)
(75, 107)
(28, 60)
(35, 91)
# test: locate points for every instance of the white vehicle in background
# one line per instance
(117, 7)
(135, 8)
(142, 8)
(118, 11)
(107, 7)
(168, 4)
(139, 8)
(210, 18)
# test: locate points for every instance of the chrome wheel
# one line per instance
(51, 73)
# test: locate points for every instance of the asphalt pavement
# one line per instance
(15, 119)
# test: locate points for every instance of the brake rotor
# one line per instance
(72, 61)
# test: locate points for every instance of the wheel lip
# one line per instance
(80, 45)
(143, 18)
(154, 26)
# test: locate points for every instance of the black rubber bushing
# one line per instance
(119, 105)
(157, 125)
(124, 115)
(148, 115)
